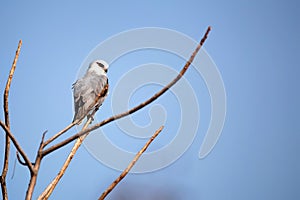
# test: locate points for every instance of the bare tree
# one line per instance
(43, 150)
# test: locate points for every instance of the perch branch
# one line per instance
(131, 164)
(7, 123)
(118, 116)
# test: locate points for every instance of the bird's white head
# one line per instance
(99, 67)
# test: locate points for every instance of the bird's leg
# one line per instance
(90, 116)
(93, 113)
(97, 108)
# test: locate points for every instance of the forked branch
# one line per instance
(7, 123)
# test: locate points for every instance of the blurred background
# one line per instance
(255, 45)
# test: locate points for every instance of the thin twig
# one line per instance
(121, 115)
(19, 159)
(18, 146)
(7, 123)
(131, 164)
(59, 134)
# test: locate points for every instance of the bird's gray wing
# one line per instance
(98, 83)
(86, 94)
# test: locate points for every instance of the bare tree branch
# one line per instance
(7, 123)
(131, 164)
(59, 134)
(48, 191)
(18, 146)
(8, 83)
(154, 97)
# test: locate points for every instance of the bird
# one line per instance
(90, 91)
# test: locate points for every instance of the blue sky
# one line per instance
(255, 45)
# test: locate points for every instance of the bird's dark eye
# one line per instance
(100, 64)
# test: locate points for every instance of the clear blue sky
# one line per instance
(255, 45)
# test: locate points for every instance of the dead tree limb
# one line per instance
(131, 164)
(7, 123)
